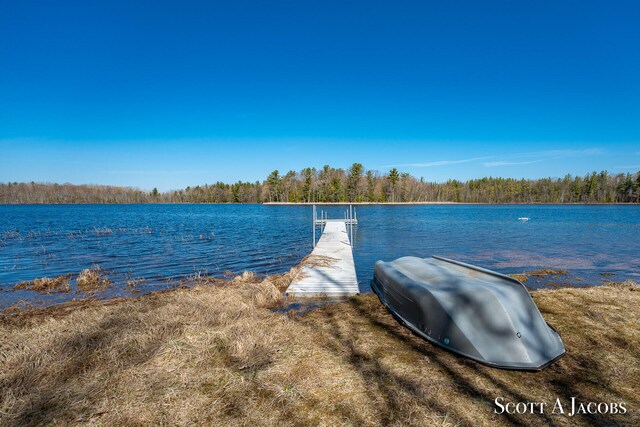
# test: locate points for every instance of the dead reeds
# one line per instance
(46, 285)
(543, 273)
(217, 355)
(92, 280)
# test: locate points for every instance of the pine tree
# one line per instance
(273, 181)
(307, 175)
(353, 181)
(393, 177)
(371, 187)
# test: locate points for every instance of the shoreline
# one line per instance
(442, 203)
(545, 279)
(282, 281)
(330, 203)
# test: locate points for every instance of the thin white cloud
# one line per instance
(440, 163)
(559, 154)
(154, 172)
(538, 155)
(493, 164)
(628, 167)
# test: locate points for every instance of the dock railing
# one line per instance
(350, 219)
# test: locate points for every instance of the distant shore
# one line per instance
(354, 183)
(436, 203)
(369, 203)
(327, 203)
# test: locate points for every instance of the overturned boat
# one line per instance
(478, 313)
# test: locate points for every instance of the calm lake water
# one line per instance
(165, 243)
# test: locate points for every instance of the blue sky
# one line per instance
(171, 94)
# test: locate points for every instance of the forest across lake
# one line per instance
(355, 184)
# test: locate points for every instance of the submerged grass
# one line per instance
(91, 280)
(47, 285)
(218, 355)
(543, 273)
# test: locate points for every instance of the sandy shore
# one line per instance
(368, 203)
(221, 355)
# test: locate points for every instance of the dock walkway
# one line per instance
(330, 269)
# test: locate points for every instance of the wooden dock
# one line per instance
(330, 269)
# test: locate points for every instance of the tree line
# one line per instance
(354, 184)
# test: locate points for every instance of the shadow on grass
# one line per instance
(56, 391)
(577, 376)
(407, 380)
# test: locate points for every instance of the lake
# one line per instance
(166, 243)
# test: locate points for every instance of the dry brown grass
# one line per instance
(309, 261)
(91, 280)
(524, 277)
(314, 260)
(133, 283)
(546, 272)
(46, 285)
(282, 281)
(216, 355)
(627, 284)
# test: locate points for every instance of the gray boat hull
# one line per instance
(477, 313)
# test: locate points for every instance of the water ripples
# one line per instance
(164, 243)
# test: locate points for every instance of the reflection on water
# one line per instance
(162, 243)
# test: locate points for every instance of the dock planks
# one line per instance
(330, 269)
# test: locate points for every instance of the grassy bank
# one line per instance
(220, 355)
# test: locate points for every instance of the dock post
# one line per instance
(351, 212)
(314, 226)
(351, 225)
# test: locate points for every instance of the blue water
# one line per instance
(166, 243)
